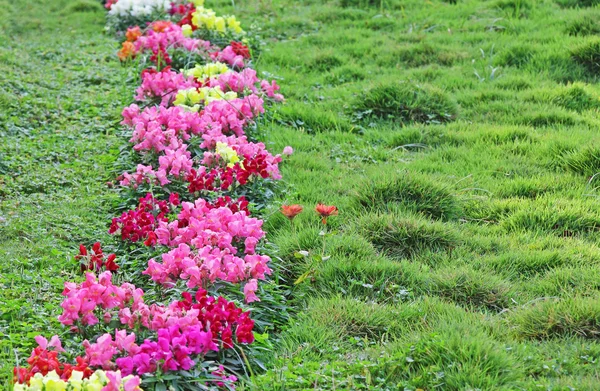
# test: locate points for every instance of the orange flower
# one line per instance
(160, 26)
(291, 211)
(326, 210)
(127, 51)
(133, 33)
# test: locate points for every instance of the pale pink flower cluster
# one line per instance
(212, 244)
(246, 80)
(84, 301)
(230, 57)
(162, 85)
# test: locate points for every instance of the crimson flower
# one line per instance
(325, 211)
(240, 49)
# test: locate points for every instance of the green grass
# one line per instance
(61, 97)
(457, 138)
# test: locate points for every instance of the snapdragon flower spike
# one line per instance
(44, 360)
(137, 224)
(159, 41)
(185, 331)
(95, 259)
(206, 244)
(94, 297)
(162, 86)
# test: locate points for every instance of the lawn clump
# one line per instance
(325, 61)
(312, 120)
(573, 316)
(564, 219)
(516, 56)
(83, 6)
(575, 97)
(577, 3)
(367, 3)
(458, 357)
(345, 74)
(523, 265)
(588, 55)
(411, 192)
(405, 102)
(567, 281)
(471, 288)
(583, 26)
(585, 161)
(515, 8)
(402, 238)
(419, 55)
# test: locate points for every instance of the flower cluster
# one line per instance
(97, 381)
(141, 222)
(204, 18)
(195, 180)
(137, 8)
(95, 259)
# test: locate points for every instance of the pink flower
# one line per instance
(250, 291)
(288, 150)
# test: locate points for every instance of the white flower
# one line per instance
(139, 8)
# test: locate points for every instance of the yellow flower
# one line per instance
(220, 24)
(227, 153)
(76, 380)
(198, 3)
(36, 383)
(20, 387)
(234, 25)
(56, 385)
(186, 30)
(209, 70)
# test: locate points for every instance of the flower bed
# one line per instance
(196, 171)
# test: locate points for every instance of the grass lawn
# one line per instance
(61, 95)
(459, 141)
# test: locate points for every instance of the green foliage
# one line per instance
(577, 3)
(588, 55)
(405, 102)
(583, 25)
(556, 318)
(405, 237)
(412, 192)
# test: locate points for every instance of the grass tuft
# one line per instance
(588, 55)
(412, 192)
(405, 237)
(573, 316)
(406, 102)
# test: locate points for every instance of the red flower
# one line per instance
(240, 49)
(325, 211)
(95, 260)
(291, 211)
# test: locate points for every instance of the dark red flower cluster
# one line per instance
(185, 11)
(95, 260)
(137, 224)
(240, 49)
(44, 361)
(241, 204)
(222, 178)
(213, 180)
(220, 316)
